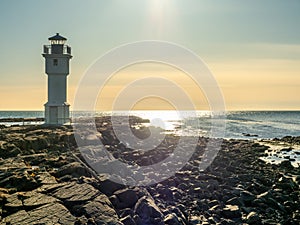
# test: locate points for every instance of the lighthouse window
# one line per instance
(55, 62)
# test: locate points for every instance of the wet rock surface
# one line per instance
(43, 180)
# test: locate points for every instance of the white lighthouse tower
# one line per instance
(57, 56)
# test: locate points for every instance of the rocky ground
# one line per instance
(44, 180)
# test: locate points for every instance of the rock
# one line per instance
(127, 220)
(271, 202)
(36, 142)
(165, 193)
(253, 218)
(45, 178)
(236, 181)
(234, 201)
(74, 193)
(54, 213)
(14, 200)
(213, 203)
(125, 212)
(148, 212)
(286, 165)
(286, 184)
(28, 199)
(198, 220)
(100, 209)
(247, 196)
(127, 198)
(81, 221)
(8, 150)
(182, 186)
(172, 219)
(108, 187)
(21, 181)
(75, 169)
(231, 211)
(214, 209)
(179, 212)
(34, 199)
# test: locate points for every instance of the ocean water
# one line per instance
(239, 124)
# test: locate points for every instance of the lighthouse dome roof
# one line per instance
(57, 37)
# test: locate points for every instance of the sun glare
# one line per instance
(159, 12)
(158, 4)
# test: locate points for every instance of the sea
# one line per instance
(237, 124)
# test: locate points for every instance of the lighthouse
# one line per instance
(57, 57)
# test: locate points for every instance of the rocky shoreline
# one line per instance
(44, 180)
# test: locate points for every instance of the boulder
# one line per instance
(108, 187)
(127, 198)
(101, 211)
(147, 212)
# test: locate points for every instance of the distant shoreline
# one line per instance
(239, 124)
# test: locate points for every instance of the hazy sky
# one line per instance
(251, 47)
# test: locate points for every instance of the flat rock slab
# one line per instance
(28, 199)
(13, 201)
(38, 199)
(53, 213)
(45, 178)
(12, 164)
(74, 192)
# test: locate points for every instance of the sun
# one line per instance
(159, 11)
(158, 4)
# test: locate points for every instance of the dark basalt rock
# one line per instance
(231, 212)
(172, 219)
(247, 197)
(108, 187)
(147, 212)
(127, 220)
(126, 198)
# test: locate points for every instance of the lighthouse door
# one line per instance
(53, 115)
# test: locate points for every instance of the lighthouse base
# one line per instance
(57, 114)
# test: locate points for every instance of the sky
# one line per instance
(251, 47)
